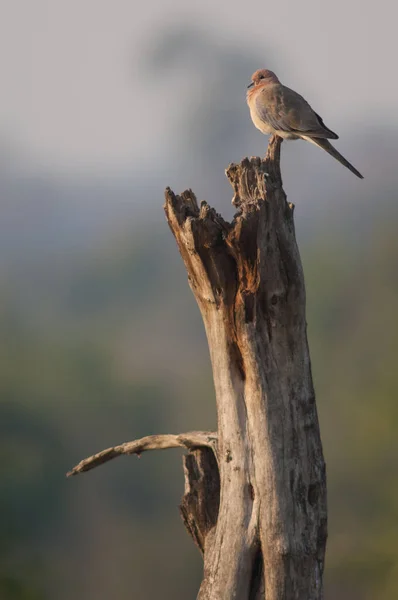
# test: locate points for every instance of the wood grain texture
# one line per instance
(255, 491)
(190, 441)
(270, 535)
(200, 504)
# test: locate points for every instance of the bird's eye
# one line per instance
(261, 76)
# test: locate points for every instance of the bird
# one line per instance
(276, 109)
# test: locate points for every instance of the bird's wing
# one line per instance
(287, 111)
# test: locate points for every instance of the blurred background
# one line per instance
(103, 104)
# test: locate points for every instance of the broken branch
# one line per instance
(190, 440)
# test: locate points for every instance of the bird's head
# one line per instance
(263, 76)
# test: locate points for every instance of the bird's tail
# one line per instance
(326, 145)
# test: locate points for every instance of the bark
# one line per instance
(255, 492)
(248, 282)
(199, 506)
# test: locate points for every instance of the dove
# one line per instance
(276, 109)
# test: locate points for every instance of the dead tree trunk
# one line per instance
(255, 502)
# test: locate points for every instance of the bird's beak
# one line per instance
(250, 85)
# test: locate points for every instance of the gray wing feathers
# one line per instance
(287, 111)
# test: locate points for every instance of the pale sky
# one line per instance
(74, 95)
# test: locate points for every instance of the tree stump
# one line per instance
(255, 492)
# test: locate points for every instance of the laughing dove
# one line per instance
(276, 109)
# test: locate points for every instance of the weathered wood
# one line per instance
(269, 539)
(199, 506)
(190, 441)
(255, 491)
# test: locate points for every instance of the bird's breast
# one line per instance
(262, 125)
